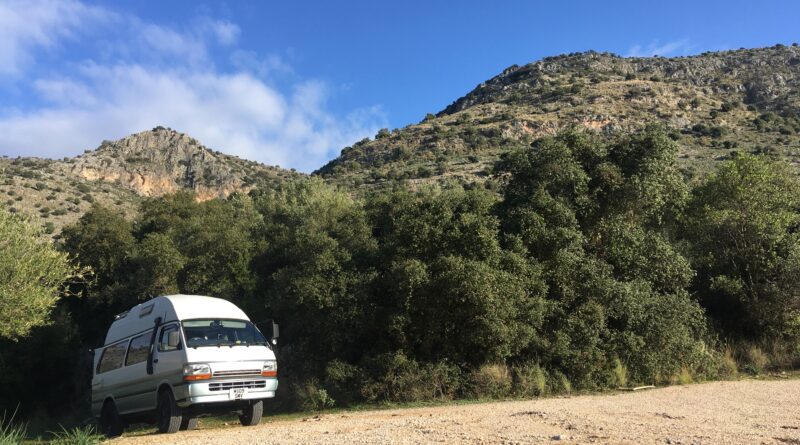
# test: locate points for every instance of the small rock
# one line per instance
(557, 437)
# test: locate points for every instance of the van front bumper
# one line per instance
(220, 391)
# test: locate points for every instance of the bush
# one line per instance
(530, 380)
(489, 381)
(309, 396)
(344, 381)
(683, 377)
(755, 360)
(620, 374)
(560, 383)
(729, 368)
(396, 378)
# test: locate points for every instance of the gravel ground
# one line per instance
(741, 412)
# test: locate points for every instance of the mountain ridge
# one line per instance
(122, 173)
(712, 104)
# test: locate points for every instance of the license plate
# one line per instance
(237, 393)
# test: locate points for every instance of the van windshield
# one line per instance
(220, 332)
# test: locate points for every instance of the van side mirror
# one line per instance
(174, 339)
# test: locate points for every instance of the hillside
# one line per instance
(121, 173)
(713, 103)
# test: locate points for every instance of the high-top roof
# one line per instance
(141, 317)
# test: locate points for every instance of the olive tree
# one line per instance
(32, 272)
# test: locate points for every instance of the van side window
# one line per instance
(138, 350)
(163, 339)
(112, 358)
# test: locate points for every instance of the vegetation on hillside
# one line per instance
(594, 265)
(121, 173)
(714, 104)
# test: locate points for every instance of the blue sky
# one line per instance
(291, 83)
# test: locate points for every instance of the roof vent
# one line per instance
(147, 310)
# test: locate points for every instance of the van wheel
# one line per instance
(110, 421)
(188, 423)
(251, 414)
(169, 414)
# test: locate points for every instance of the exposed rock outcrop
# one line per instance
(162, 161)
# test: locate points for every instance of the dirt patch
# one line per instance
(743, 412)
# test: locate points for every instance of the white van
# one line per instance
(176, 357)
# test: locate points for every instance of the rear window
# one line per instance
(138, 350)
(112, 358)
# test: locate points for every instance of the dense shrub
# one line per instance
(309, 396)
(586, 263)
(742, 226)
(530, 380)
(395, 377)
(492, 380)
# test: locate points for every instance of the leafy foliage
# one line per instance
(593, 265)
(32, 272)
(742, 225)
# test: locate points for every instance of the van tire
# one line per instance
(110, 421)
(169, 414)
(188, 423)
(251, 414)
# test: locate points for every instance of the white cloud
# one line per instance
(268, 66)
(237, 112)
(656, 48)
(170, 43)
(28, 25)
(226, 32)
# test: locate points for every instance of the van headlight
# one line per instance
(270, 369)
(196, 371)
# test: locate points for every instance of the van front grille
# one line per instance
(224, 386)
(237, 373)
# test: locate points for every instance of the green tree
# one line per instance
(449, 289)
(102, 240)
(32, 273)
(742, 225)
(315, 269)
(597, 215)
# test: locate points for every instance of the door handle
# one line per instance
(155, 360)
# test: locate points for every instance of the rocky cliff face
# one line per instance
(121, 173)
(162, 161)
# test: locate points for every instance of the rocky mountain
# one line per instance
(712, 104)
(121, 173)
